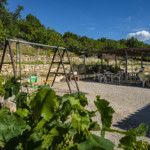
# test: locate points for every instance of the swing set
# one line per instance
(59, 52)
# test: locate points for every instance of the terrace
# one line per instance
(128, 66)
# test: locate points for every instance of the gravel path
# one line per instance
(131, 104)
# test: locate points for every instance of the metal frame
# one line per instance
(55, 48)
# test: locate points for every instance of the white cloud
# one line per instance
(140, 35)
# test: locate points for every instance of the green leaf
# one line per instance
(65, 110)
(11, 126)
(94, 126)
(82, 98)
(96, 143)
(12, 87)
(40, 124)
(141, 130)
(48, 139)
(44, 104)
(130, 142)
(21, 100)
(74, 101)
(80, 123)
(127, 142)
(105, 110)
(2, 90)
(23, 113)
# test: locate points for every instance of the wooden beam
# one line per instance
(36, 44)
(12, 59)
(102, 61)
(51, 65)
(3, 55)
(141, 60)
(116, 61)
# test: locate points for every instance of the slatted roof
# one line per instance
(128, 51)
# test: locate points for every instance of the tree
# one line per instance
(72, 42)
(87, 45)
(10, 19)
(54, 38)
(134, 43)
(2, 34)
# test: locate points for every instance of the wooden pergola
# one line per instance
(126, 52)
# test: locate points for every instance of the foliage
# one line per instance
(44, 104)
(95, 68)
(96, 143)
(130, 141)
(2, 90)
(12, 87)
(11, 126)
(44, 120)
(106, 113)
(133, 42)
(2, 34)
(12, 25)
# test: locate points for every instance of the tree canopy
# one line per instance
(30, 28)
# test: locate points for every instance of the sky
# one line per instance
(114, 19)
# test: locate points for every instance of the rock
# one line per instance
(8, 104)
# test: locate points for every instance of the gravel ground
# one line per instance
(131, 104)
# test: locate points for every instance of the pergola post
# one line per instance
(102, 61)
(84, 62)
(126, 65)
(141, 60)
(116, 61)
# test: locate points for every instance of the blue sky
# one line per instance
(113, 19)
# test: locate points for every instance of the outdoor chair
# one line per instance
(144, 78)
(101, 78)
(108, 75)
(132, 76)
(117, 77)
(94, 76)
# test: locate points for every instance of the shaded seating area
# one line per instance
(109, 77)
(129, 74)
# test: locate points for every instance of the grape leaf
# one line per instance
(44, 104)
(96, 143)
(105, 110)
